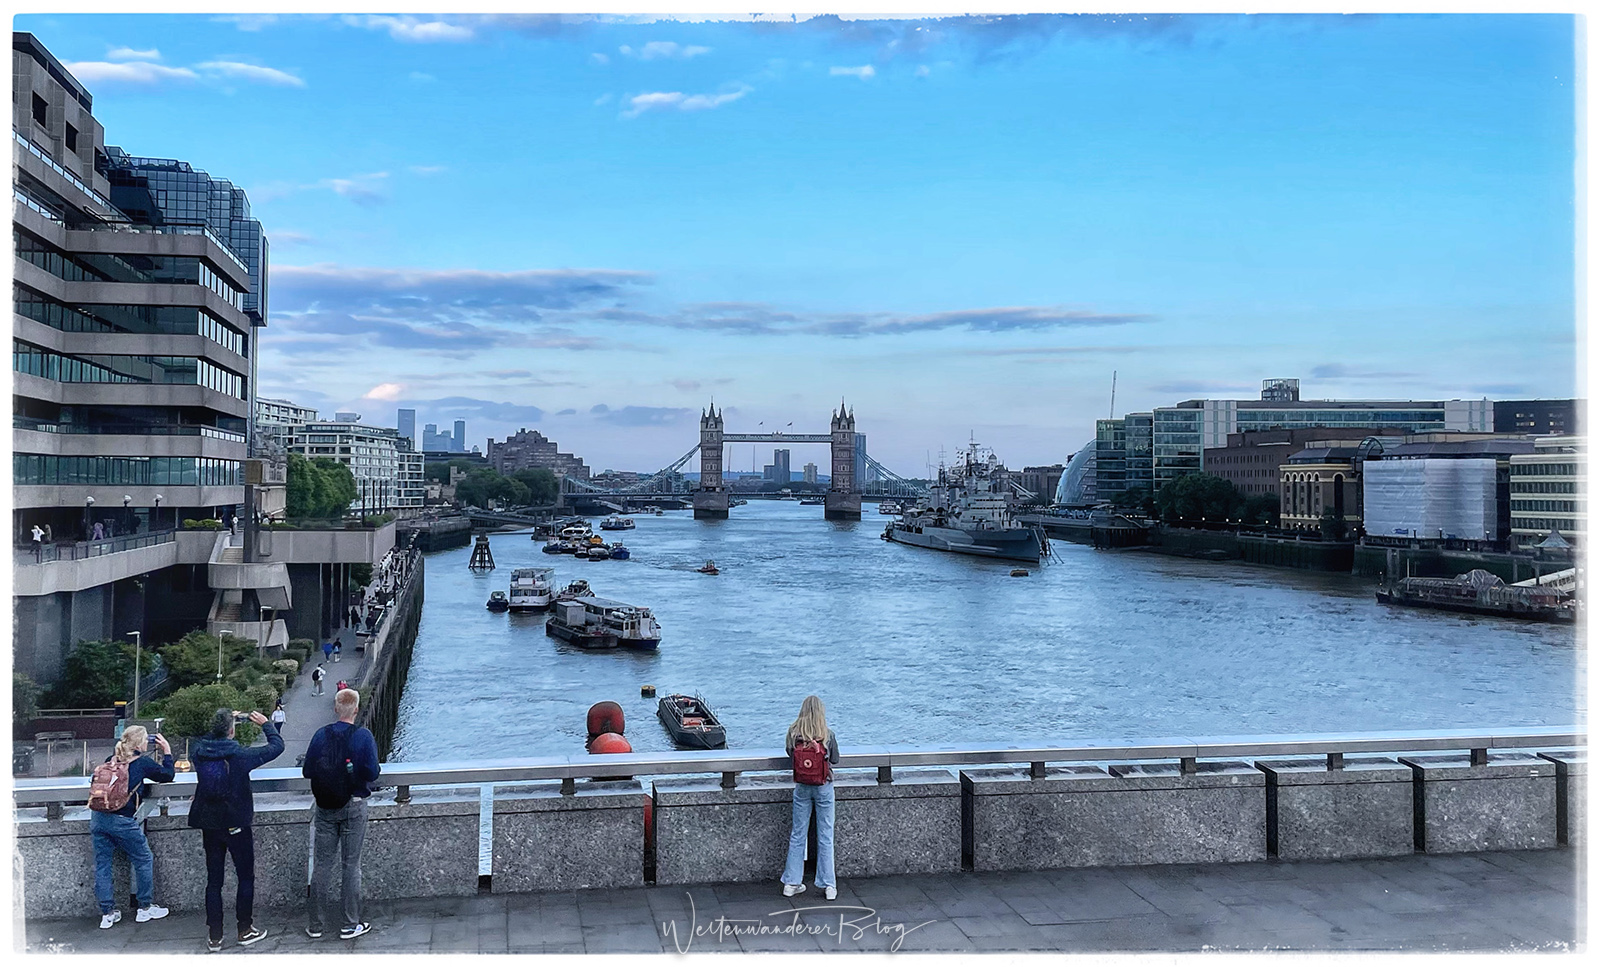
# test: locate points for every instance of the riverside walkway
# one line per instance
(1478, 902)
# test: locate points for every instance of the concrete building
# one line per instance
(1253, 461)
(1042, 482)
(1547, 491)
(271, 412)
(525, 450)
(1538, 416)
(1441, 490)
(808, 473)
(778, 470)
(1317, 480)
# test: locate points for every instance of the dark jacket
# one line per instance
(363, 749)
(239, 808)
(140, 771)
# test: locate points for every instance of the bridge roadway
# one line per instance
(1476, 902)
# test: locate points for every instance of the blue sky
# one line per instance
(962, 226)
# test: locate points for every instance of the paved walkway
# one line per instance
(1486, 902)
(308, 712)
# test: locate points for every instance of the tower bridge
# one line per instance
(842, 501)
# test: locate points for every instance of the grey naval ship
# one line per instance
(968, 512)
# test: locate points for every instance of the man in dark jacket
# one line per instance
(223, 809)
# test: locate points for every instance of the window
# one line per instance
(41, 111)
(72, 139)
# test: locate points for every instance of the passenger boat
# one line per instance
(812, 501)
(577, 589)
(570, 623)
(889, 507)
(552, 547)
(531, 589)
(969, 512)
(577, 532)
(691, 723)
(497, 601)
(616, 522)
(618, 552)
(1480, 592)
(709, 567)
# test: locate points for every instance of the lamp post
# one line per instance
(138, 647)
(219, 659)
(157, 518)
(127, 515)
(88, 507)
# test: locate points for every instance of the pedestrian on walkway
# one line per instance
(280, 718)
(317, 675)
(223, 809)
(337, 645)
(38, 543)
(327, 650)
(49, 536)
(99, 531)
(115, 792)
(342, 764)
(814, 749)
(355, 617)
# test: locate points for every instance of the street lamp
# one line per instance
(219, 658)
(127, 516)
(138, 646)
(88, 506)
(158, 511)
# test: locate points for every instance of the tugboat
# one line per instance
(691, 723)
(531, 589)
(497, 602)
(709, 567)
(570, 623)
(969, 513)
(618, 552)
(616, 522)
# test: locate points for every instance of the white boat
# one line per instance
(616, 522)
(591, 622)
(531, 588)
(888, 507)
(577, 532)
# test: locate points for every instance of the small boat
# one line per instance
(737, 502)
(552, 547)
(577, 589)
(691, 723)
(576, 532)
(812, 501)
(709, 567)
(658, 511)
(1019, 572)
(616, 522)
(498, 601)
(570, 623)
(598, 552)
(594, 540)
(618, 552)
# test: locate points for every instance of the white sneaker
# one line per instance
(107, 919)
(831, 892)
(788, 890)
(151, 912)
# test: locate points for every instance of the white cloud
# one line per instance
(128, 53)
(678, 101)
(602, 100)
(599, 58)
(421, 77)
(426, 169)
(385, 391)
(864, 72)
(359, 188)
(282, 236)
(663, 49)
(922, 70)
(413, 29)
(252, 72)
(134, 72)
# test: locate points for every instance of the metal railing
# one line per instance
(82, 550)
(1186, 751)
(77, 182)
(125, 429)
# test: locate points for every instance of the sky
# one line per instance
(960, 226)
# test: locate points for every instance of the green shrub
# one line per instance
(279, 683)
(188, 711)
(94, 675)
(262, 697)
(189, 523)
(287, 667)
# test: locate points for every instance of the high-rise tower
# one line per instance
(843, 501)
(711, 499)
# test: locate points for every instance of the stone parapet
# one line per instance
(591, 839)
(56, 861)
(1572, 771)
(707, 834)
(1317, 813)
(1509, 802)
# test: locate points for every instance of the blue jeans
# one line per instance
(794, 870)
(111, 832)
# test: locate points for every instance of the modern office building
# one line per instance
(1078, 481)
(1547, 491)
(406, 427)
(272, 412)
(1252, 461)
(1538, 416)
(372, 453)
(459, 438)
(778, 470)
(526, 450)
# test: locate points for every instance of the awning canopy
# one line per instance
(275, 598)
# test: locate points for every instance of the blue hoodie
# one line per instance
(239, 809)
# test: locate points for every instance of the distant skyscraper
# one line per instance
(460, 437)
(406, 426)
(780, 466)
(809, 473)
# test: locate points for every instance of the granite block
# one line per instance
(593, 839)
(1317, 813)
(420, 849)
(707, 834)
(1508, 803)
(910, 825)
(1572, 771)
(57, 866)
(1124, 815)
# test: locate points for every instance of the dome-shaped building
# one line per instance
(1077, 481)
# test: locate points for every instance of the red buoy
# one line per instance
(609, 742)
(605, 717)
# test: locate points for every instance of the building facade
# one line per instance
(1319, 481)
(1547, 491)
(1042, 482)
(526, 450)
(372, 453)
(406, 426)
(1253, 461)
(1431, 489)
(1538, 416)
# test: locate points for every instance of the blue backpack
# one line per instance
(213, 780)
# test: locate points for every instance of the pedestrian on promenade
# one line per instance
(342, 686)
(814, 749)
(327, 650)
(337, 646)
(115, 792)
(342, 764)
(355, 617)
(38, 543)
(99, 531)
(49, 536)
(223, 809)
(279, 717)
(317, 675)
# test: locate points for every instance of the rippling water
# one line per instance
(910, 646)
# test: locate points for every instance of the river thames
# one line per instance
(908, 646)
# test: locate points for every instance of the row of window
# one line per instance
(1544, 469)
(180, 370)
(174, 320)
(1543, 487)
(1556, 506)
(103, 267)
(45, 469)
(1565, 524)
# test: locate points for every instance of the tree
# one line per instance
(319, 487)
(1261, 509)
(543, 488)
(1332, 526)
(1194, 497)
(1136, 499)
(188, 711)
(439, 470)
(95, 675)
(192, 659)
(482, 485)
(24, 702)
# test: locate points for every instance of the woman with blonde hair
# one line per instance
(814, 749)
(114, 829)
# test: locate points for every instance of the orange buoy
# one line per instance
(609, 742)
(605, 717)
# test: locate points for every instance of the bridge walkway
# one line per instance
(1482, 902)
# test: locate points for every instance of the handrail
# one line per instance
(83, 550)
(77, 182)
(404, 775)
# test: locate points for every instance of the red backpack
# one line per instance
(108, 788)
(811, 766)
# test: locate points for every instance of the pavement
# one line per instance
(307, 712)
(1473, 902)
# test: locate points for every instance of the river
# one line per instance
(908, 646)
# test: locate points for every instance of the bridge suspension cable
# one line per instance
(644, 484)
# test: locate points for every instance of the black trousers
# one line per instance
(219, 843)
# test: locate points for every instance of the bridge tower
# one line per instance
(843, 501)
(711, 499)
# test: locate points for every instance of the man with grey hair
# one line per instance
(342, 764)
(223, 809)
